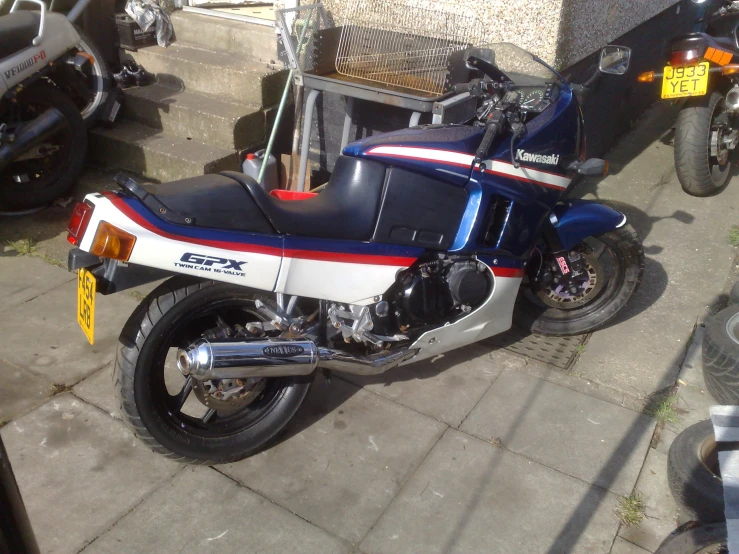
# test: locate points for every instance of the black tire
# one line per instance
(628, 255)
(693, 473)
(721, 356)
(699, 173)
(52, 176)
(708, 539)
(103, 81)
(165, 318)
(734, 294)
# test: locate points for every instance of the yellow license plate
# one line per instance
(690, 80)
(86, 288)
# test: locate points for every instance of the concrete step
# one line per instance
(255, 41)
(217, 73)
(194, 115)
(156, 154)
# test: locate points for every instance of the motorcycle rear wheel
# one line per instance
(153, 395)
(56, 164)
(619, 266)
(700, 172)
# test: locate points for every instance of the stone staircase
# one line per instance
(215, 97)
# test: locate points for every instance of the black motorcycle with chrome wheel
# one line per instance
(704, 69)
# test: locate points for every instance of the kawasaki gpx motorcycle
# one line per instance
(701, 69)
(421, 243)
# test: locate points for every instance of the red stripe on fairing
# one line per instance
(525, 180)
(508, 272)
(365, 259)
(414, 153)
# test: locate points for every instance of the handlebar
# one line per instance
(491, 131)
(464, 87)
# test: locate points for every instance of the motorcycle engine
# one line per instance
(434, 291)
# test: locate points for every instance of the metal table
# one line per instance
(346, 86)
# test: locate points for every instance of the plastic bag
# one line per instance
(153, 12)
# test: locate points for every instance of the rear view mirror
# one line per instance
(614, 60)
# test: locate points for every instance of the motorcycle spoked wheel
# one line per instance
(47, 171)
(702, 159)
(156, 400)
(98, 79)
(615, 265)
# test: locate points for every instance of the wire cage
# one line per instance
(301, 29)
(395, 43)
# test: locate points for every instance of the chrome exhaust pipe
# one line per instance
(732, 99)
(239, 360)
(205, 360)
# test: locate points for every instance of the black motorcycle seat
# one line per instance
(17, 31)
(347, 209)
(212, 201)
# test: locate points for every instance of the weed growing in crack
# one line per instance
(630, 510)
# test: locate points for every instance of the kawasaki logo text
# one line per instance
(537, 158)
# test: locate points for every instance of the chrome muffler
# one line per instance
(204, 360)
(732, 99)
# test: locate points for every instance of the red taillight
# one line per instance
(683, 57)
(79, 221)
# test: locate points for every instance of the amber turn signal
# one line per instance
(112, 242)
(647, 77)
(732, 69)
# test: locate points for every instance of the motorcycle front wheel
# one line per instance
(45, 172)
(614, 263)
(183, 419)
(701, 150)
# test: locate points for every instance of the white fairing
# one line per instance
(337, 281)
(281, 271)
(59, 37)
(492, 318)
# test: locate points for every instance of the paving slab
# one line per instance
(348, 453)
(693, 401)
(445, 388)
(470, 496)
(660, 508)
(622, 546)
(202, 511)
(99, 391)
(688, 258)
(79, 471)
(23, 278)
(20, 391)
(598, 442)
(64, 355)
(576, 382)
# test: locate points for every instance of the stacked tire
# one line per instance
(693, 470)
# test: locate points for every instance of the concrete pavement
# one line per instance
(479, 451)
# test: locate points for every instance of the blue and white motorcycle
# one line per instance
(422, 242)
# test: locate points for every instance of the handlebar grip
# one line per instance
(490, 133)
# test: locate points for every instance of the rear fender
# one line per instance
(114, 276)
(577, 220)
